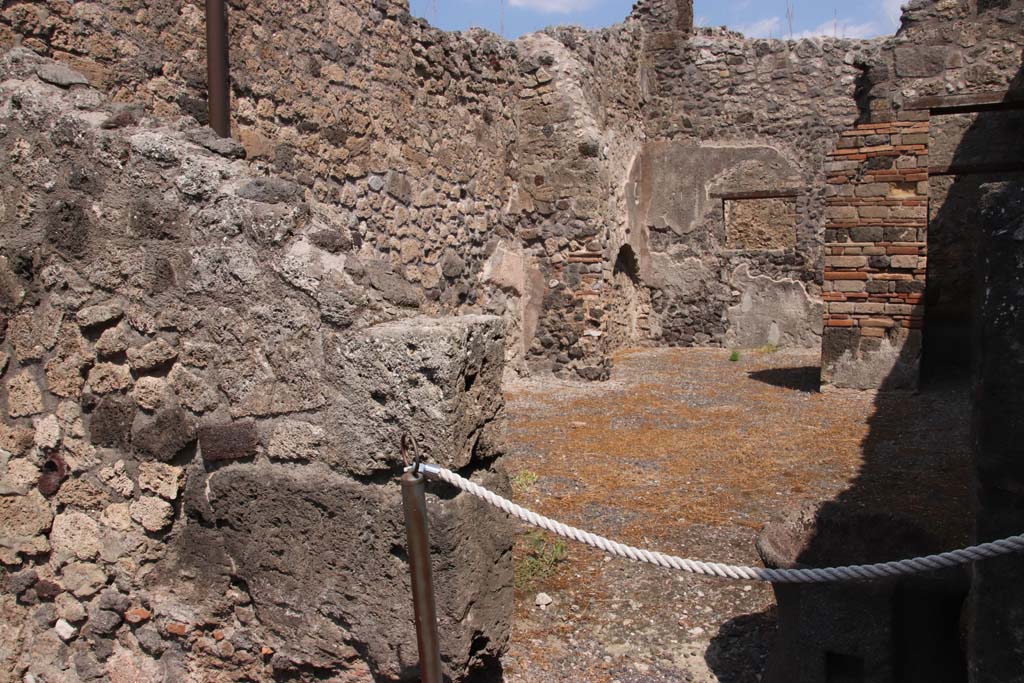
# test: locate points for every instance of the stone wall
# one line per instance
(996, 608)
(407, 132)
(211, 347)
(876, 255)
(507, 177)
(911, 173)
(729, 115)
(435, 149)
(578, 127)
(204, 384)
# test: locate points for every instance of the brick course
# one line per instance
(876, 251)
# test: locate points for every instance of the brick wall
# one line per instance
(876, 254)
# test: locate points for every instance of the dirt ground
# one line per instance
(687, 452)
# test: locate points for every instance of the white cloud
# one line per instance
(764, 28)
(553, 6)
(892, 10)
(776, 27)
(842, 28)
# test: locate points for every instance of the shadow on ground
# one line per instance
(917, 631)
(737, 653)
(806, 378)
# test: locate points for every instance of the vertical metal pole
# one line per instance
(218, 92)
(414, 503)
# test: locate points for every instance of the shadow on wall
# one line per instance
(992, 140)
(911, 496)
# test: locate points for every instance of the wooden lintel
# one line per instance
(785, 193)
(977, 168)
(1003, 100)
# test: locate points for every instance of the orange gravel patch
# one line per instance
(683, 446)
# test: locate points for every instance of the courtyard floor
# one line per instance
(687, 452)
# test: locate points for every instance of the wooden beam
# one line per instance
(785, 193)
(1003, 100)
(977, 168)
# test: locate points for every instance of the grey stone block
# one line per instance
(344, 589)
(436, 379)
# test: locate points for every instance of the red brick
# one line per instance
(847, 275)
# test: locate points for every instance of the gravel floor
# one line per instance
(687, 452)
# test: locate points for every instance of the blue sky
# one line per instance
(760, 18)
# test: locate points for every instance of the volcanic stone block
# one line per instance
(163, 480)
(436, 379)
(83, 578)
(64, 369)
(60, 75)
(151, 356)
(23, 523)
(270, 190)
(232, 441)
(154, 514)
(920, 61)
(323, 557)
(23, 395)
(103, 622)
(105, 378)
(398, 186)
(111, 421)
(164, 433)
(100, 315)
(68, 228)
(904, 630)
(852, 360)
(75, 534)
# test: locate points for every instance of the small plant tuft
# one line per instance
(524, 480)
(541, 559)
(734, 356)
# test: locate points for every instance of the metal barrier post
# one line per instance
(414, 504)
(217, 75)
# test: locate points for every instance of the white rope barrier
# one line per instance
(881, 570)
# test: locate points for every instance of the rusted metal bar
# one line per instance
(414, 504)
(217, 73)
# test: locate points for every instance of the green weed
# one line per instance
(524, 480)
(542, 557)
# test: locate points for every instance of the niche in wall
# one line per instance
(760, 223)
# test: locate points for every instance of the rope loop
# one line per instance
(862, 572)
